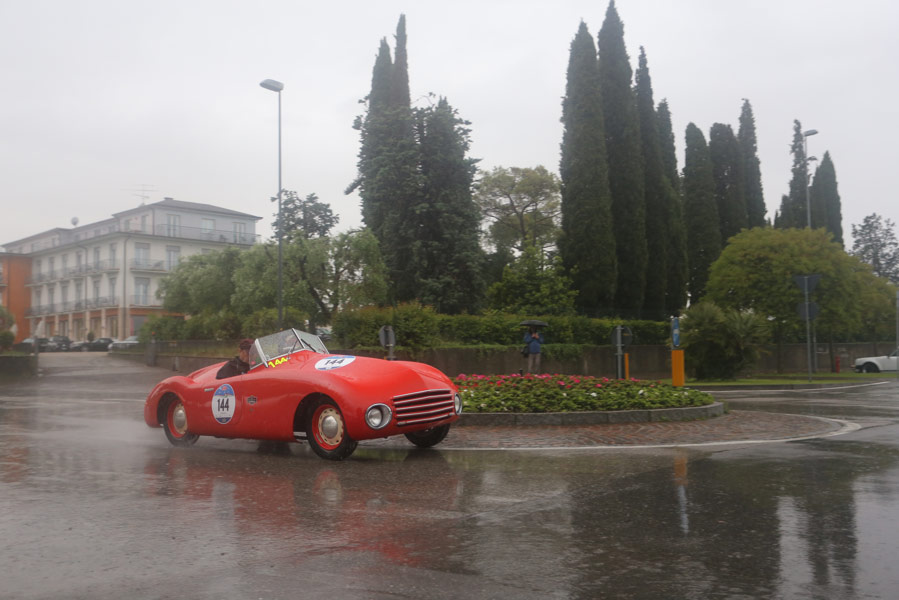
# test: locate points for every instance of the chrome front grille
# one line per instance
(423, 407)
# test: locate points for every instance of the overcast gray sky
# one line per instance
(103, 98)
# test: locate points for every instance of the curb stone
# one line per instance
(691, 413)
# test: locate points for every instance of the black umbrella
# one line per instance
(534, 323)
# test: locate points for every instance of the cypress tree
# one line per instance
(793, 211)
(727, 170)
(587, 243)
(826, 209)
(373, 187)
(700, 212)
(752, 173)
(667, 144)
(625, 164)
(447, 256)
(657, 194)
(678, 272)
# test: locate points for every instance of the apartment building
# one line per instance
(103, 277)
(15, 271)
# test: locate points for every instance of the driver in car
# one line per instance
(238, 365)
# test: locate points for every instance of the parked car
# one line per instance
(876, 364)
(61, 343)
(296, 390)
(128, 342)
(98, 345)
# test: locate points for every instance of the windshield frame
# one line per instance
(284, 343)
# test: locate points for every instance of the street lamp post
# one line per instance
(277, 86)
(808, 204)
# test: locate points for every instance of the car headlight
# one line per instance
(378, 416)
(458, 403)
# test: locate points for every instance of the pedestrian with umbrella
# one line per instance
(533, 340)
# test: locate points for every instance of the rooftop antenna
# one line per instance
(142, 191)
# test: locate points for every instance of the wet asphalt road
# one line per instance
(93, 504)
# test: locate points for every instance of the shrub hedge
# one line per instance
(568, 393)
(419, 326)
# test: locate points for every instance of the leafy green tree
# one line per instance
(201, 283)
(308, 216)
(874, 243)
(756, 269)
(587, 243)
(727, 171)
(529, 288)
(448, 259)
(626, 182)
(721, 343)
(522, 208)
(826, 209)
(667, 145)
(700, 212)
(752, 173)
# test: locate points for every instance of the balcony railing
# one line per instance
(145, 300)
(146, 264)
(207, 235)
(99, 266)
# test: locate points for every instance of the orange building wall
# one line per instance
(13, 293)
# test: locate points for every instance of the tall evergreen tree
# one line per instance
(793, 212)
(622, 128)
(389, 180)
(826, 209)
(668, 145)
(448, 260)
(700, 212)
(678, 271)
(752, 173)
(657, 194)
(587, 243)
(727, 170)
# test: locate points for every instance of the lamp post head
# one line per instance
(277, 86)
(804, 133)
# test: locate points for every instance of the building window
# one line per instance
(172, 256)
(112, 281)
(142, 291)
(112, 249)
(173, 225)
(141, 255)
(78, 292)
(51, 266)
(65, 266)
(207, 226)
(239, 230)
(65, 293)
(144, 223)
(97, 257)
(96, 289)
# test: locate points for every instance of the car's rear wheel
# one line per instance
(428, 437)
(871, 368)
(175, 424)
(326, 431)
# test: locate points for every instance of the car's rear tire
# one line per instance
(326, 431)
(871, 368)
(175, 424)
(428, 437)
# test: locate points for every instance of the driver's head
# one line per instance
(244, 348)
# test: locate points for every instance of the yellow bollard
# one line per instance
(677, 368)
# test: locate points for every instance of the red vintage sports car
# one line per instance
(296, 390)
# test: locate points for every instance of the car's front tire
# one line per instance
(428, 437)
(175, 424)
(326, 431)
(870, 368)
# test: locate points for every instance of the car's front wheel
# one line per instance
(428, 437)
(175, 425)
(326, 431)
(870, 368)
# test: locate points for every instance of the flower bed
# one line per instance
(569, 393)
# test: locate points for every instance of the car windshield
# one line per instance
(283, 343)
